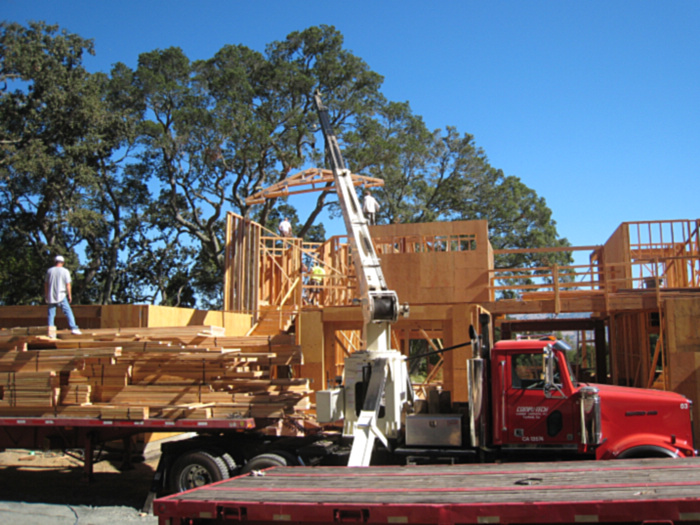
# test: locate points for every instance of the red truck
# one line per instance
(526, 403)
(527, 398)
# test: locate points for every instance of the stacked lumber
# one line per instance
(28, 389)
(191, 372)
(19, 338)
(76, 390)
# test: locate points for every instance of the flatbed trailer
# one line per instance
(625, 491)
(91, 433)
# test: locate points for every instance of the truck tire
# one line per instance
(647, 451)
(264, 461)
(195, 469)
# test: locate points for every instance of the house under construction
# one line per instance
(633, 309)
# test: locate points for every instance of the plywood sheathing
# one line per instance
(682, 316)
(127, 316)
(312, 335)
(436, 262)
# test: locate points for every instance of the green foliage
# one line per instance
(130, 174)
(443, 176)
(50, 140)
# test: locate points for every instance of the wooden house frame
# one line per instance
(640, 287)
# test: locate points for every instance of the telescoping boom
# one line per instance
(381, 371)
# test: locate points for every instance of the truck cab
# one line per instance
(537, 404)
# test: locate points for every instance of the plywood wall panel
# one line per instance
(312, 335)
(682, 322)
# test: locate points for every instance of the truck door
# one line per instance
(532, 417)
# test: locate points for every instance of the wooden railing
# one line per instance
(661, 273)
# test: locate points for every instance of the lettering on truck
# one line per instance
(531, 412)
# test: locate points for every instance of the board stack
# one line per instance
(193, 372)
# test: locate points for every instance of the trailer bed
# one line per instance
(624, 491)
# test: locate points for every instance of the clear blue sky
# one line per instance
(593, 104)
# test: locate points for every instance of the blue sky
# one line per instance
(593, 104)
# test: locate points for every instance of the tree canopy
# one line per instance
(129, 174)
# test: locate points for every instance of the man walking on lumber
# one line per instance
(57, 291)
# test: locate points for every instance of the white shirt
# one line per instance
(58, 279)
(370, 205)
(285, 228)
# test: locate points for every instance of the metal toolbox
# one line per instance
(443, 430)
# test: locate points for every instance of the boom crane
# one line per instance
(377, 385)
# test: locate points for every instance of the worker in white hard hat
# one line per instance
(58, 292)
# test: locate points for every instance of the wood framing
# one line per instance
(308, 181)
(446, 273)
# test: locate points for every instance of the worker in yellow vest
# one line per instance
(317, 276)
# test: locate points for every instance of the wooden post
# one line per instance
(312, 335)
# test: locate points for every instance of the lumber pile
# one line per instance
(193, 372)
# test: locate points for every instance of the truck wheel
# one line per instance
(264, 461)
(647, 451)
(195, 469)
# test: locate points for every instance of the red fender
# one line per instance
(643, 445)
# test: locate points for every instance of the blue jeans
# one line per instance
(65, 307)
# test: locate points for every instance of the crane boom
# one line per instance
(379, 304)
(377, 377)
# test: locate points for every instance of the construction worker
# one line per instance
(370, 207)
(58, 292)
(317, 276)
(285, 228)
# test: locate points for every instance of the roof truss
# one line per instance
(318, 179)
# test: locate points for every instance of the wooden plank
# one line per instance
(47, 331)
(139, 373)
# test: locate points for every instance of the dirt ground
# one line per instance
(35, 485)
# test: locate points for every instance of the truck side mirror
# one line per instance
(474, 337)
(550, 385)
(548, 365)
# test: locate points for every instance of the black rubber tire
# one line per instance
(195, 469)
(264, 461)
(647, 451)
(228, 460)
(233, 468)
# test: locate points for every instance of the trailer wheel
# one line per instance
(264, 461)
(231, 464)
(195, 469)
